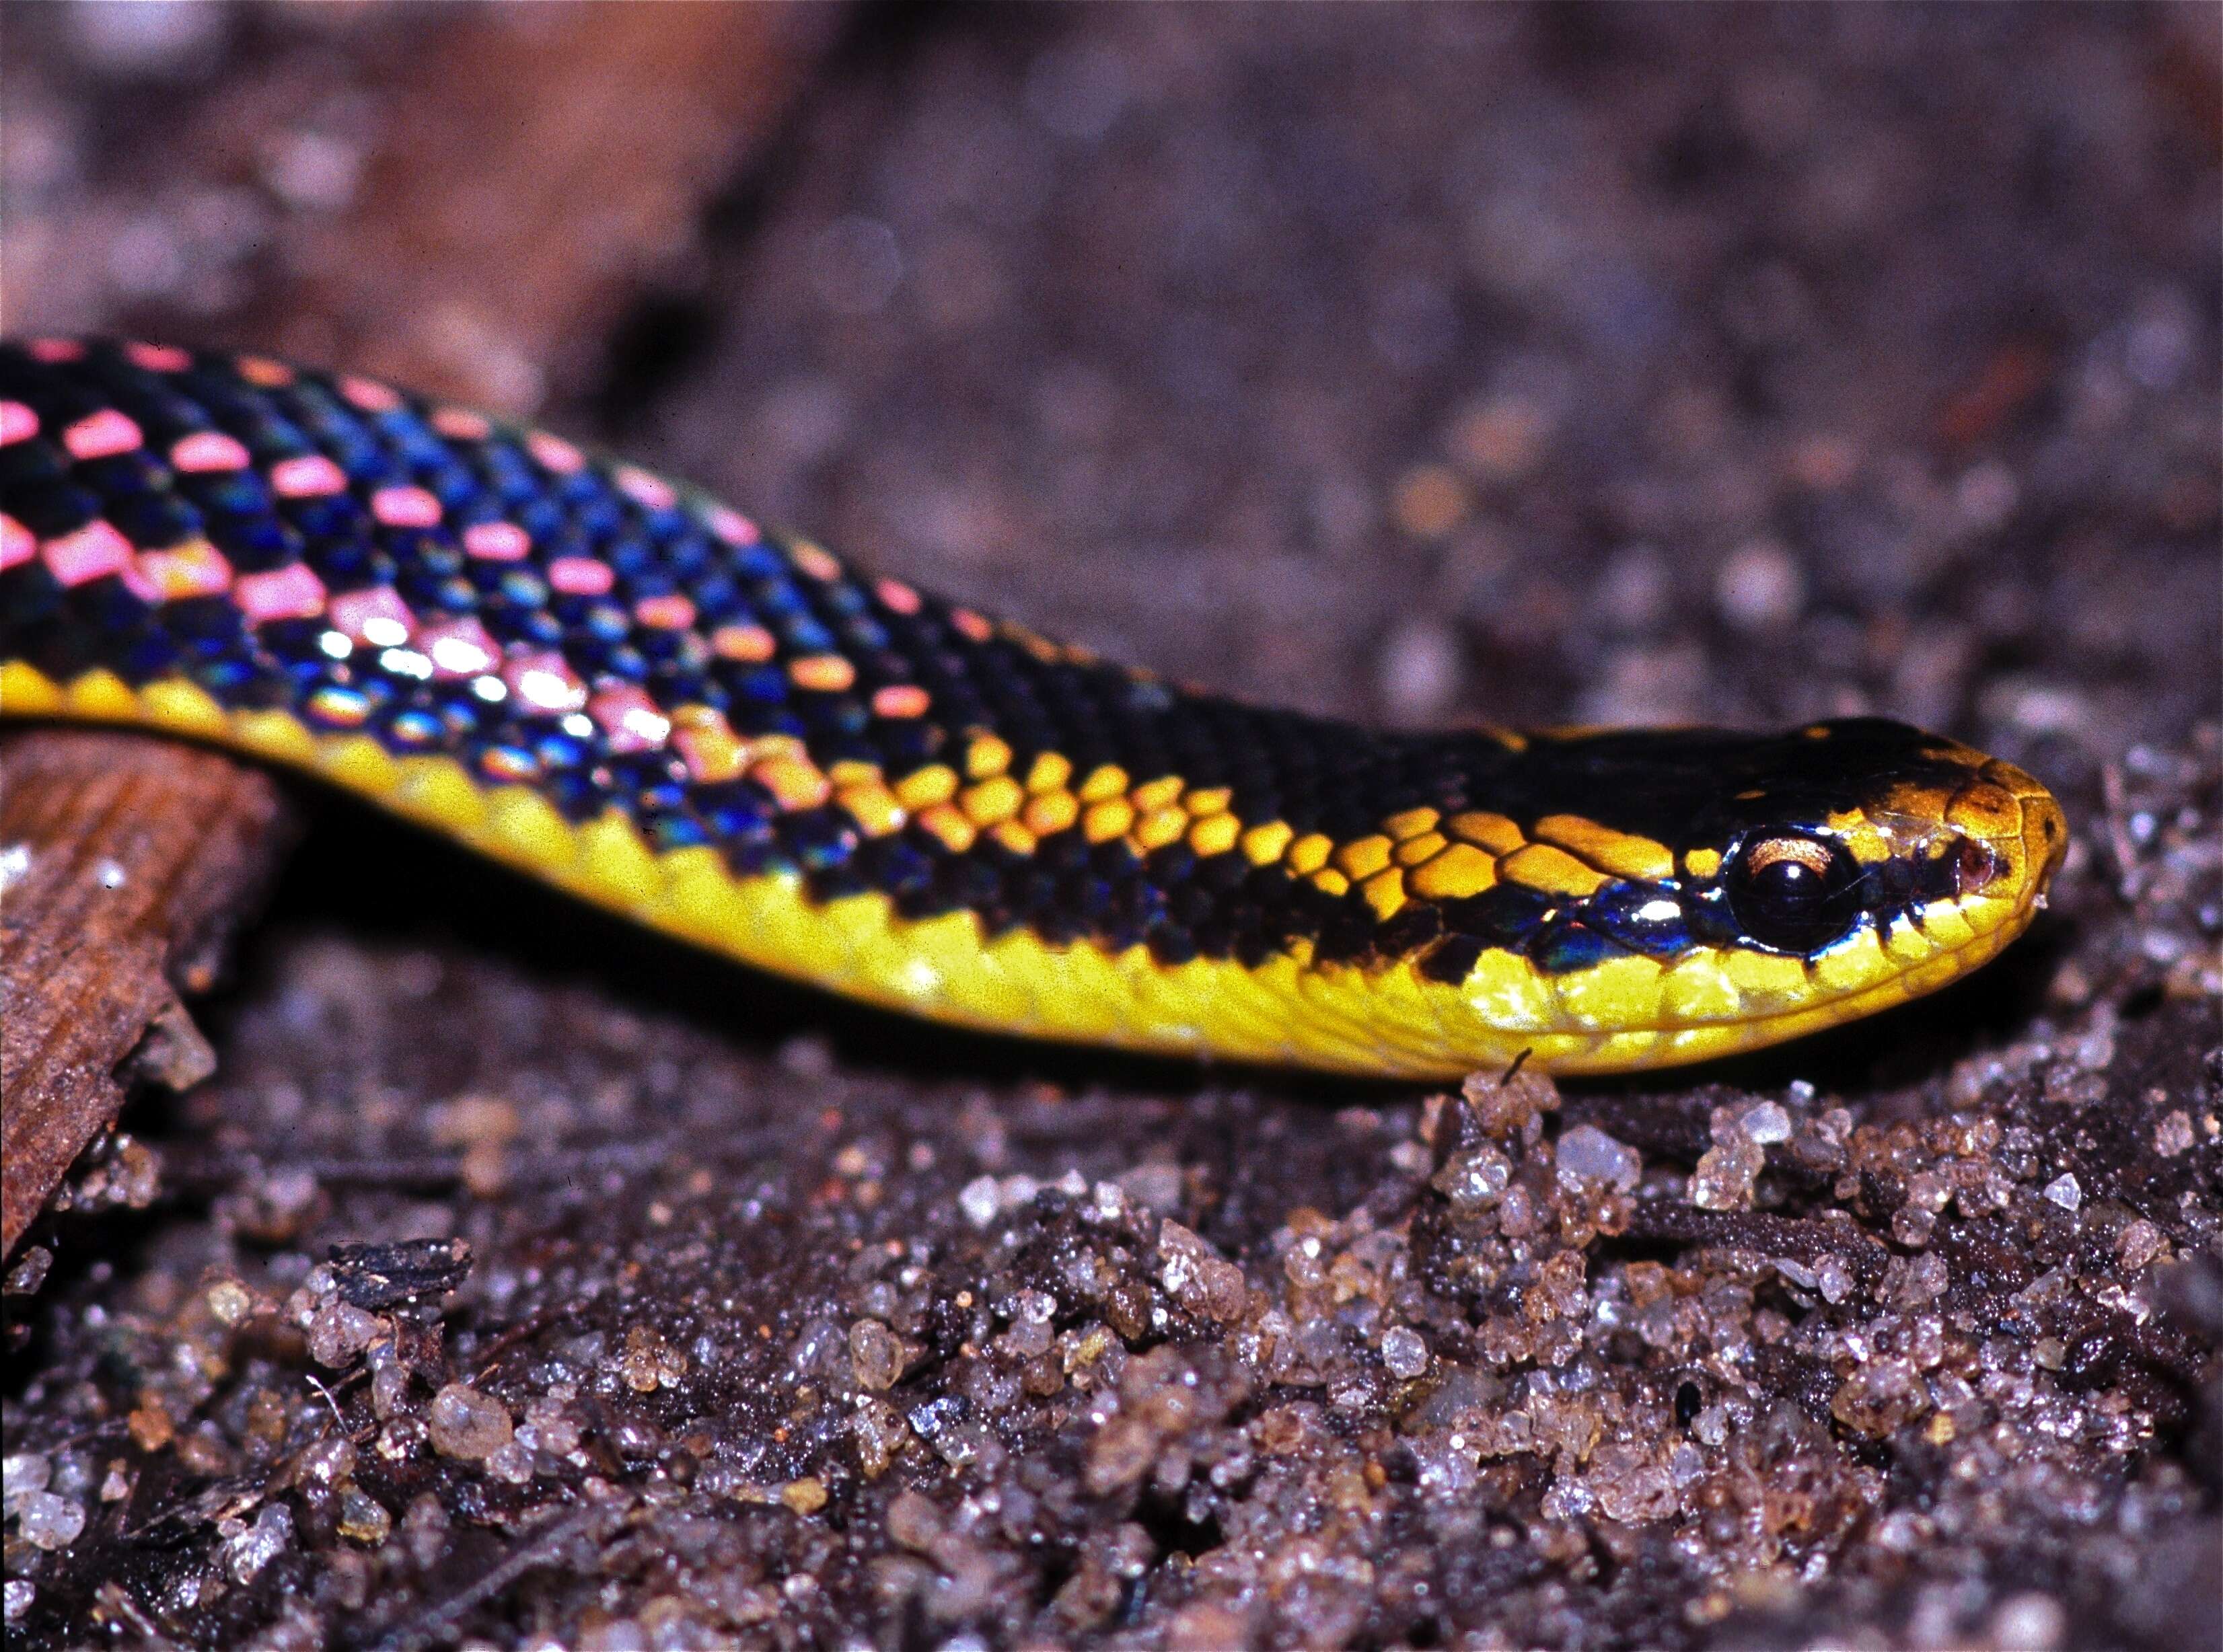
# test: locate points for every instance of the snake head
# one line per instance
(1705, 892)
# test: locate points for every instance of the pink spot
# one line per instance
(461, 424)
(208, 450)
(377, 618)
(195, 570)
(368, 394)
(901, 598)
(17, 422)
(637, 484)
(94, 550)
(405, 507)
(56, 350)
(292, 593)
(672, 612)
(816, 563)
(901, 699)
(554, 453)
(497, 541)
(544, 684)
(102, 434)
(458, 647)
(17, 542)
(158, 358)
(629, 719)
(141, 584)
(971, 625)
(580, 576)
(261, 370)
(309, 476)
(731, 526)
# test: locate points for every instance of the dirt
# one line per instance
(1541, 365)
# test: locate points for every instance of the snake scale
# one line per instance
(638, 694)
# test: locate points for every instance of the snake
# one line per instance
(635, 692)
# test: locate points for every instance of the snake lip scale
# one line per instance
(642, 696)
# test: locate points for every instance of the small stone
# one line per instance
(1404, 1353)
(2065, 1191)
(1421, 671)
(1881, 1399)
(914, 1522)
(2029, 1623)
(1759, 587)
(1833, 1280)
(45, 1521)
(1198, 1277)
(337, 1333)
(260, 1543)
(363, 1518)
(805, 1496)
(23, 1473)
(1588, 1154)
(468, 1424)
(2138, 1244)
(229, 1301)
(2173, 1135)
(880, 1433)
(1723, 1178)
(20, 1595)
(977, 1200)
(1473, 1179)
(1766, 1123)
(511, 1463)
(876, 1355)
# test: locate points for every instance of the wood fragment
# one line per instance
(128, 864)
(537, 165)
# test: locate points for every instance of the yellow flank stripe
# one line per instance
(27, 693)
(1382, 1018)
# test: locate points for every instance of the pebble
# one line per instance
(1421, 670)
(1588, 1154)
(876, 1355)
(45, 1521)
(260, 1543)
(1758, 587)
(467, 1423)
(1404, 1353)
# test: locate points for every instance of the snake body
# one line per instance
(636, 693)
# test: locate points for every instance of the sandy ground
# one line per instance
(1740, 365)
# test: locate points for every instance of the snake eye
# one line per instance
(1787, 892)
